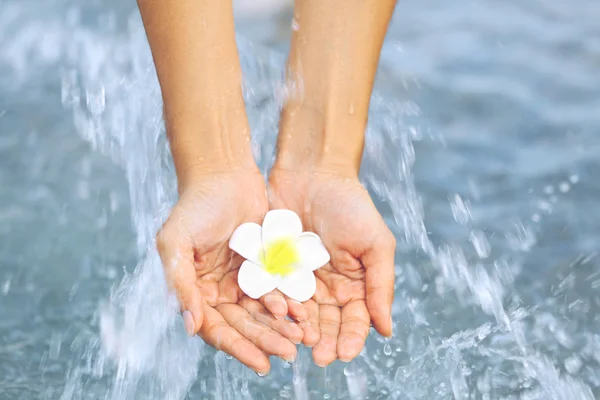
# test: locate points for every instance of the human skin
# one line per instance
(334, 55)
(220, 187)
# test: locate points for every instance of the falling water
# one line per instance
(463, 329)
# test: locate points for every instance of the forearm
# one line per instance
(195, 53)
(333, 59)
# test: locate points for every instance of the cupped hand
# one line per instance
(356, 288)
(193, 246)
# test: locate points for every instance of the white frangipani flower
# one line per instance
(278, 256)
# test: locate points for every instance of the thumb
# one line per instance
(379, 266)
(177, 258)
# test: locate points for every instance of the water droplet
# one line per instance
(70, 91)
(460, 210)
(295, 25)
(6, 287)
(245, 390)
(564, 187)
(326, 396)
(545, 206)
(83, 190)
(227, 356)
(400, 374)
(351, 109)
(573, 364)
(348, 371)
(114, 202)
(549, 189)
(55, 345)
(387, 349)
(574, 178)
(481, 244)
(95, 100)
(111, 273)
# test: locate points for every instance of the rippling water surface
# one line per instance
(483, 154)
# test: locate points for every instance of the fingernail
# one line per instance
(260, 374)
(188, 321)
(274, 303)
(345, 359)
(320, 365)
(350, 349)
(296, 342)
(290, 360)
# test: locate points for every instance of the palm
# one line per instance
(220, 206)
(193, 245)
(341, 212)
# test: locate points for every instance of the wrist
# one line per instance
(202, 153)
(211, 168)
(313, 140)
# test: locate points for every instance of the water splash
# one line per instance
(131, 132)
(108, 83)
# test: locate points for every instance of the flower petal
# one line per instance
(280, 224)
(300, 285)
(255, 281)
(246, 240)
(312, 251)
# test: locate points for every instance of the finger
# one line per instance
(261, 335)
(217, 333)
(325, 352)
(379, 266)
(353, 331)
(178, 263)
(287, 329)
(296, 310)
(312, 332)
(275, 303)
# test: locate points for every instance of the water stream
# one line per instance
(481, 157)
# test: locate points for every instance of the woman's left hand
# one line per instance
(356, 287)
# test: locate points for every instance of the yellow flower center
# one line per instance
(280, 256)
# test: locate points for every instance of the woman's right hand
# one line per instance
(200, 267)
(356, 288)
